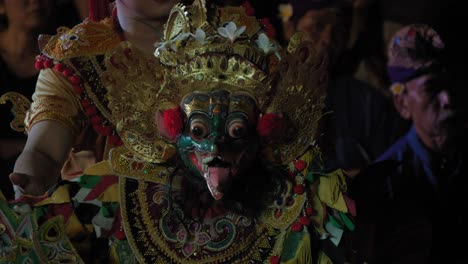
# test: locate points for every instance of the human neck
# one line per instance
(142, 33)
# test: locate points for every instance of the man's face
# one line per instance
(26, 14)
(429, 106)
(326, 29)
(218, 143)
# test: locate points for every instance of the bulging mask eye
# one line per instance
(237, 129)
(198, 128)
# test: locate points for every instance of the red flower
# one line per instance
(297, 227)
(269, 28)
(270, 126)
(300, 165)
(173, 122)
(299, 189)
(304, 220)
(274, 259)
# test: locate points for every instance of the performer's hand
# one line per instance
(27, 184)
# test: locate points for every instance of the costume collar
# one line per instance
(418, 148)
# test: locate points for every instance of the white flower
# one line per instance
(263, 42)
(200, 36)
(173, 44)
(230, 31)
(159, 47)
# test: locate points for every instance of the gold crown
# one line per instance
(207, 50)
(189, 33)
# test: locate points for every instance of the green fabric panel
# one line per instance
(333, 221)
(291, 244)
(347, 222)
(89, 181)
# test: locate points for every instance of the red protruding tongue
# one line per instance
(215, 177)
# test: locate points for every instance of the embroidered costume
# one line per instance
(217, 162)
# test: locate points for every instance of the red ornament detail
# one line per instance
(278, 213)
(304, 220)
(91, 110)
(115, 140)
(97, 120)
(59, 67)
(297, 227)
(173, 121)
(85, 103)
(249, 10)
(105, 130)
(309, 211)
(265, 21)
(411, 33)
(38, 65)
(78, 89)
(299, 189)
(67, 72)
(75, 79)
(136, 165)
(271, 32)
(300, 165)
(269, 28)
(120, 234)
(48, 63)
(270, 126)
(274, 259)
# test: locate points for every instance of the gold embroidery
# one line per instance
(124, 163)
(21, 105)
(86, 39)
(53, 108)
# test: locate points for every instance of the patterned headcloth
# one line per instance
(413, 51)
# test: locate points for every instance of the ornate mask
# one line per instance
(219, 139)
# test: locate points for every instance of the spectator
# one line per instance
(361, 123)
(415, 212)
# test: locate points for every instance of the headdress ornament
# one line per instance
(207, 48)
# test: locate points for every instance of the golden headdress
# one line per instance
(206, 48)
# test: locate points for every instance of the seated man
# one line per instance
(418, 206)
(217, 164)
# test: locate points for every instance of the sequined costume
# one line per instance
(218, 162)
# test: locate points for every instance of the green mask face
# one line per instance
(219, 141)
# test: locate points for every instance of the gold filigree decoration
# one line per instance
(195, 17)
(150, 245)
(299, 95)
(124, 163)
(178, 22)
(134, 103)
(216, 71)
(20, 105)
(85, 39)
(289, 215)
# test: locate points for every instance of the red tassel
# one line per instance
(98, 9)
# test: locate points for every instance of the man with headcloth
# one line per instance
(418, 208)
